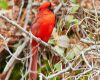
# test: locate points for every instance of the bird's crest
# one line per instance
(45, 5)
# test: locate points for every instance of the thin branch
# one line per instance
(57, 8)
(30, 34)
(11, 54)
(59, 73)
(9, 73)
(23, 30)
(85, 60)
(12, 60)
(28, 13)
(20, 11)
(81, 74)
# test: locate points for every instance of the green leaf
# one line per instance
(16, 74)
(74, 1)
(58, 66)
(70, 55)
(3, 4)
(74, 52)
(51, 41)
(75, 21)
(56, 78)
(70, 18)
(47, 66)
(74, 8)
(59, 50)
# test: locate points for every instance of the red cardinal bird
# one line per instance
(42, 28)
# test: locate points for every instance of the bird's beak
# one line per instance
(53, 5)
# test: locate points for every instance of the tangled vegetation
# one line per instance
(72, 52)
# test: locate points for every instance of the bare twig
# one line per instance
(12, 60)
(30, 34)
(23, 30)
(81, 74)
(88, 41)
(85, 60)
(9, 73)
(20, 11)
(57, 8)
(59, 73)
(28, 13)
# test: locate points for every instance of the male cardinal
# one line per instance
(42, 28)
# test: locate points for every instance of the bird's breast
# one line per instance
(45, 31)
(46, 20)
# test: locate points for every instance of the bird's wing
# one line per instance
(35, 26)
(40, 18)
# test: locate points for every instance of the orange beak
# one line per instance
(53, 5)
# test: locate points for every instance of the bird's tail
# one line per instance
(33, 75)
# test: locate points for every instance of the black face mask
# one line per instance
(50, 8)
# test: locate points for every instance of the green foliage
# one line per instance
(59, 50)
(71, 21)
(74, 52)
(84, 78)
(58, 66)
(51, 41)
(74, 8)
(3, 4)
(16, 72)
(74, 1)
(55, 78)
(45, 68)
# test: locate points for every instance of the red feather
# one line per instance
(42, 28)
